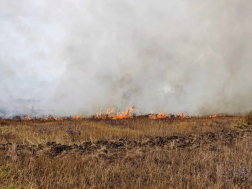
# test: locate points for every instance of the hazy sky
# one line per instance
(77, 56)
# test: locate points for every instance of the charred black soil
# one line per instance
(110, 150)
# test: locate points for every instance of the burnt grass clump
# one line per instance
(124, 146)
(129, 153)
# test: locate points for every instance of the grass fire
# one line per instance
(125, 150)
(125, 94)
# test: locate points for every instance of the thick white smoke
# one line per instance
(178, 56)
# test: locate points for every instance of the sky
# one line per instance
(74, 57)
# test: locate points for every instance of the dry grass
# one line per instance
(40, 132)
(224, 165)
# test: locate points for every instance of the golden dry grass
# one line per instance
(40, 132)
(227, 165)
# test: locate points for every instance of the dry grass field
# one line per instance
(197, 152)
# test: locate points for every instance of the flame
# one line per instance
(159, 116)
(76, 117)
(27, 117)
(115, 115)
(151, 116)
(182, 115)
(212, 116)
(54, 118)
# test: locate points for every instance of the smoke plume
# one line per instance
(175, 56)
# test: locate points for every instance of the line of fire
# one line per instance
(112, 114)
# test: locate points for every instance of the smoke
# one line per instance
(174, 56)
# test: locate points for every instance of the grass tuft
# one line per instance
(249, 118)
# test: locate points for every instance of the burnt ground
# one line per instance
(112, 150)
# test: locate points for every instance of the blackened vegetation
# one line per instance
(19, 118)
(111, 150)
(3, 123)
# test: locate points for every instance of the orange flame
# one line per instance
(159, 116)
(118, 115)
(27, 117)
(182, 115)
(112, 114)
(151, 116)
(212, 116)
(76, 117)
(54, 118)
